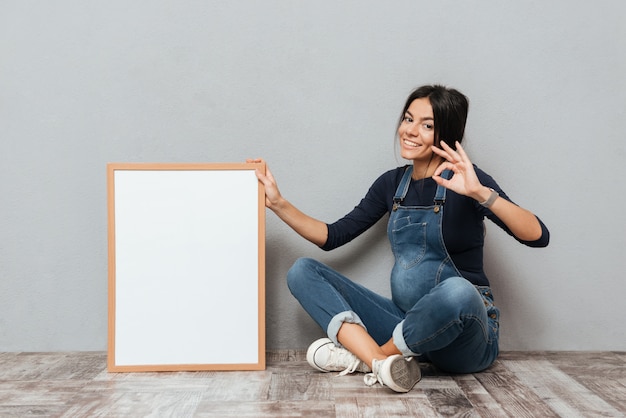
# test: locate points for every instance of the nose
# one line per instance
(412, 129)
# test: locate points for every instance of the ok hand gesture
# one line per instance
(464, 181)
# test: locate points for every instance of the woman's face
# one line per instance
(417, 131)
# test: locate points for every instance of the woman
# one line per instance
(441, 308)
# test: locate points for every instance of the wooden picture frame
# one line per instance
(186, 267)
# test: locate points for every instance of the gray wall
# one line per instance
(315, 88)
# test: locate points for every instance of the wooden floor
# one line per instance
(561, 384)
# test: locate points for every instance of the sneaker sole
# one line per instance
(404, 374)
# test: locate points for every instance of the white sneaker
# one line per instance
(325, 356)
(396, 372)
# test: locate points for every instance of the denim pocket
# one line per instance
(409, 241)
(493, 313)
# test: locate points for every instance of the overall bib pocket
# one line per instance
(408, 241)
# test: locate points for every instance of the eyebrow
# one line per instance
(422, 119)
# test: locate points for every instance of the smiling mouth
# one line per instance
(410, 143)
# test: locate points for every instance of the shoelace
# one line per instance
(351, 368)
(372, 378)
(341, 357)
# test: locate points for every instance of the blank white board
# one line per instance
(186, 267)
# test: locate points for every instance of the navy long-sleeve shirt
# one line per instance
(463, 227)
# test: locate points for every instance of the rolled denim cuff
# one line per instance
(398, 340)
(337, 321)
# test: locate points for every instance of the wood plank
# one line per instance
(76, 365)
(392, 405)
(484, 404)
(612, 391)
(299, 386)
(13, 366)
(511, 394)
(266, 409)
(603, 373)
(38, 393)
(19, 411)
(559, 391)
(124, 404)
(237, 386)
(450, 402)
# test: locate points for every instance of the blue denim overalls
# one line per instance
(422, 260)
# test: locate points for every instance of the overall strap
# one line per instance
(403, 187)
(440, 194)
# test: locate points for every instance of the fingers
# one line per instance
(443, 166)
(267, 178)
(260, 175)
(446, 152)
(461, 152)
(269, 175)
(440, 152)
(454, 155)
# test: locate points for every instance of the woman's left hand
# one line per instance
(522, 223)
(464, 181)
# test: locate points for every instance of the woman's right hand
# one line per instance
(272, 194)
(308, 227)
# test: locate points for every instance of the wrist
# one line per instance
(279, 205)
(487, 197)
